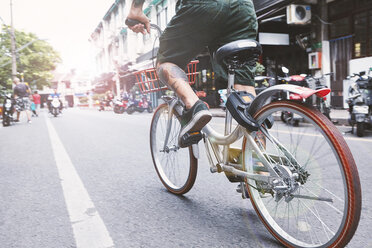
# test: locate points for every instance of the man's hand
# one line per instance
(137, 14)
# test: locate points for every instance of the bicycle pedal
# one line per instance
(190, 138)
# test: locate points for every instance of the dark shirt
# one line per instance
(21, 90)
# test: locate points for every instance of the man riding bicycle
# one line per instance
(196, 25)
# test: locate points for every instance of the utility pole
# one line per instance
(117, 77)
(12, 37)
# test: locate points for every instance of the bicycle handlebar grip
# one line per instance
(132, 22)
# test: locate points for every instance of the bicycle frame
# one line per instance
(213, 139)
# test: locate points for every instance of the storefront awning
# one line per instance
(265, 8)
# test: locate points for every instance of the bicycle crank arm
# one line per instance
(313, 198)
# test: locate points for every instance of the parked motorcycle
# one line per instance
(360, 103)
(300, 80)
(120, 105)
(105, 104)
(317, 83)
(139, 104)
(8, 108)
(309, 81)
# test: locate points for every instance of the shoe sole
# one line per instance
(197, 123)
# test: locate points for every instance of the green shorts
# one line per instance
(208, 23)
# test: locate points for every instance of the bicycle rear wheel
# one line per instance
(323, 210)
(175, 166)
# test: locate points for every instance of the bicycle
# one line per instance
(303, 183)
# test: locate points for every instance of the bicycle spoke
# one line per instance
(308, 208)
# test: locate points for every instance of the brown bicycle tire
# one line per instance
(193, 161)
(349, 168)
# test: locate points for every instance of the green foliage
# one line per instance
(260, 69)
(34, 63)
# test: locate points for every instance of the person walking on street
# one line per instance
(22, 91)
(36, 99)
(196, 25)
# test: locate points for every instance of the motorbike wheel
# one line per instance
(322, 204)
(286, 117)
(55, 113)
(175, 166)
(130, 110)
(6, 121)
(325, 110)
(360, 129)
(150, 109)
(118, 109)
(141, 110)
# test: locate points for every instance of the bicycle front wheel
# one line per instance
(318, 202)
(175, 166)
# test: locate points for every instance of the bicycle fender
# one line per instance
(295, 93)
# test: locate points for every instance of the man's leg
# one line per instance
(176, 78)
(28, 113)
(249, 89)
(196, 113)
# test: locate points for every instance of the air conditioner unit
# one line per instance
(298, 14)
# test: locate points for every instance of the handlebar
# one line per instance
(132, 22)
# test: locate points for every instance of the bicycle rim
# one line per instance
(175, 166)
(324, 210)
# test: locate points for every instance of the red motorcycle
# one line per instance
(120, 106)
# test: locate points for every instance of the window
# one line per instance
(361, 35)
(370, 31)
(162, 14)
(340, 8)
(362, 4)
(340, 27)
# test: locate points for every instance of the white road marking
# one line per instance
(88, 227)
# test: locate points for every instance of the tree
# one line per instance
(35, 62)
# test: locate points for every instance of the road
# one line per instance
(100, 162)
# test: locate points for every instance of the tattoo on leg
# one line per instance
(169, 74)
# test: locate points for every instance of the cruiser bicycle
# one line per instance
(302, 182)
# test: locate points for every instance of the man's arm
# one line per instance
(136, 13)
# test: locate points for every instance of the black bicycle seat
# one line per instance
(242, 51)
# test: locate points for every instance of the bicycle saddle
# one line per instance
(243, 51)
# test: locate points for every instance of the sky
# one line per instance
(66, 24)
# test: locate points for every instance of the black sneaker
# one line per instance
(193, 120)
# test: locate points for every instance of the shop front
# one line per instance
(350, 36)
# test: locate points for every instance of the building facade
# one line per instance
(318, 37)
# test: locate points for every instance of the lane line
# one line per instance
(88, 227)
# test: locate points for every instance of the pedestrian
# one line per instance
(36, 99)
(196, 25)
(22, 92)
(33, 108)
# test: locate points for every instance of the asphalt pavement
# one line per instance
(106, 158)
